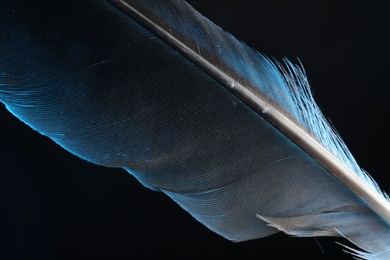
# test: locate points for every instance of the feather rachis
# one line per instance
(283, 95)
(290, 106)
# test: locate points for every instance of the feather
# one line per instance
(157, 89)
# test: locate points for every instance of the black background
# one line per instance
(57, 206)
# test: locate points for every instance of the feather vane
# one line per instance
(157, 89)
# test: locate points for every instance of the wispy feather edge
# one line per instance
(314, 121)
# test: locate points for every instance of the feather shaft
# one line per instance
(271, 113)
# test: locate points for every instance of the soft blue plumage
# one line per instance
(159, 90)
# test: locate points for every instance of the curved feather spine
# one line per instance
(320, 141)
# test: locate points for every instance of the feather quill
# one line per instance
(156, 88)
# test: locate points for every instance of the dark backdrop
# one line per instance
(56, 206)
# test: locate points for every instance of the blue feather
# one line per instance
(159, 90)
